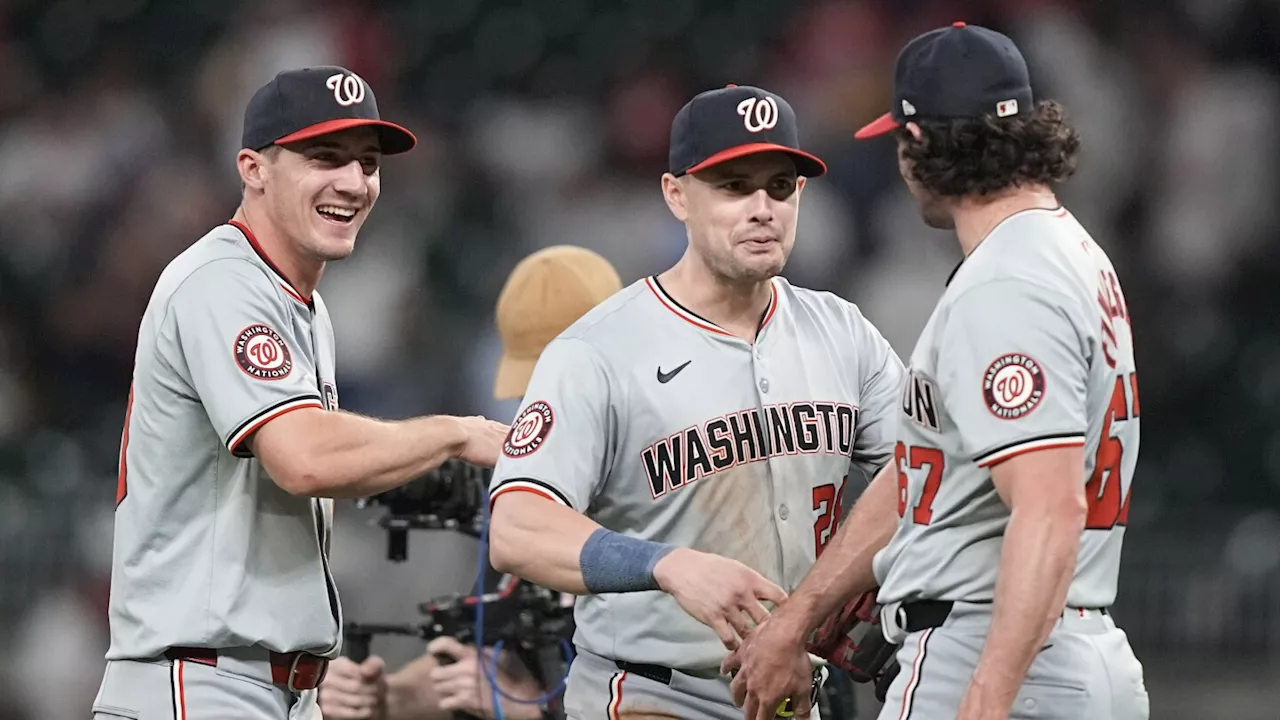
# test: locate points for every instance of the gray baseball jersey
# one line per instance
(1029, 347)
(658, 424)
(209, 551)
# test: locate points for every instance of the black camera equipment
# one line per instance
(533, 622)
(448, 498)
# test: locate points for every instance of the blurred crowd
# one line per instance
(545, 122)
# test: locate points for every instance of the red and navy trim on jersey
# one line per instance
(536, 487)
(693, 318)
(1058, 212)
(235, 441)
(262, 255)
(1014, 449)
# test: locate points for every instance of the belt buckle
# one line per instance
(293, 672)
(893, 622)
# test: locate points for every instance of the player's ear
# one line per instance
(252, 167)
(673, 191)
(801, 181)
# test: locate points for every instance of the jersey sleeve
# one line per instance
(1013, 374)
(233, 334)
(562, 440)
(881, 371)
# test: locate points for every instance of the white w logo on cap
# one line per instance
(347, 89)
(758, 113)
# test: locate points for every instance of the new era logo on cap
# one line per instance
(734, 121)
(309, 102)
(959, 71)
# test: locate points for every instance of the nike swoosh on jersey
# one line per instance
(665, 377)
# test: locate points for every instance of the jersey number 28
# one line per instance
(828, 502)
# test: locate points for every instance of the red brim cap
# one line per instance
(393, 138)
(881, 125)
(806, 164)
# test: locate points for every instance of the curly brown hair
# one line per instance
(979, 156)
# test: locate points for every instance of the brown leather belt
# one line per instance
(296, 671)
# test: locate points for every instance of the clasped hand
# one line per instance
(770, 666)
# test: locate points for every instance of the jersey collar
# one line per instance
(952, 276)
(693, 318)
(1058, 212)
(262, 255)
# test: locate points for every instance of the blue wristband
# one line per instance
(613, 563)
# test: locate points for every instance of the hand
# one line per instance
(484, 439)
(984, 703)
(720, 593)
(772, 665)
(354, 692)
(462, 686)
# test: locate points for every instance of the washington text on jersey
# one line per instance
(748, 436)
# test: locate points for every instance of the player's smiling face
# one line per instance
(322, 189)
(741, 215)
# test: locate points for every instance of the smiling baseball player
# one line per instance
(1018, 433)
(682, 450)
(222, 603)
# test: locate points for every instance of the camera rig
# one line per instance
(447, 498)
(533, 622)
(524, 616)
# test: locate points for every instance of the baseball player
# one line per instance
(681, 451)
(546, 292)
(1018, 432)
(222, 603)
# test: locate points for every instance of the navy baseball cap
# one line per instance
(309, 102)
(732, 122)
(961, 71)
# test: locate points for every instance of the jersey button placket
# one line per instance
(757, 354)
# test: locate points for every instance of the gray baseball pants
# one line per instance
(600, 689)
(233, 689)
(1085, 670)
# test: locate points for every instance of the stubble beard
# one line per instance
(735, 273)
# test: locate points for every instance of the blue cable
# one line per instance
(491, 667)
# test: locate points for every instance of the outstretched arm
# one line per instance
(773, 664)
(342, 455)
(844, 568)
(539, 540)
(554, 546)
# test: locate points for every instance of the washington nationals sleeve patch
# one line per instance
(529, 430)
(261, 353)
(1013, 386)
